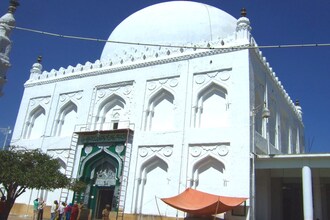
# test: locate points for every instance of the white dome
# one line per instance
(175, 23)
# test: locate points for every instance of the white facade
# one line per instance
(195, 109)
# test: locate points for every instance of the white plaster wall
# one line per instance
(229, 143)
(183, 135)
(283, 106)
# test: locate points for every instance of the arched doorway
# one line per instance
(100, 169)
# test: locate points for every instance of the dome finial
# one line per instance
(13, 4)
(243, 12)
(39, 59)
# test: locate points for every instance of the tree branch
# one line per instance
(20, 191)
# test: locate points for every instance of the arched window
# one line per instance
(208, 175)
(160, 112)
(284, 133)
(278, 131)
(272, 123)
(110, 113)
(210, 109)
(62, 164)
(35, 124)
(153, 177)
(298, 149)
(66, 120)
(258, 103)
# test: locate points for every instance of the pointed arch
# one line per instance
(35, 124)
(66, 119)
(62, 164)
(110, 112)
(210, 110)
(208, 174)
(284, 130)
(258, 114)
(152, 177)
(298, 149)
(96, 159)
(151, 164)
(160, 111)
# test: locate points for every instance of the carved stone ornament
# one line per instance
(174, 82)
(200, 79)
(222, 150)
(152, 86)
(63, 98)
(105, 178)
(79, 95)
(195, 151)
(119, 148)
(167, 151)
(33, 102)
(224, 76)
(40, 100)
(163, 81)
(101, 93)
(212, 74)
(88, 149)
(127, 90)
(143, 151)
(47, 100)
(112, 89)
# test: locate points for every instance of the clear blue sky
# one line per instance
(304, 72)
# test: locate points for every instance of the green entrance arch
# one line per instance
(104, 162)
(100, 168)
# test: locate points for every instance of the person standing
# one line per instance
(2, 207)
(53, 210)
(67, 211)
(61, 210)
(41, 207)
(106, 212)
(74, 212)
(35, 208)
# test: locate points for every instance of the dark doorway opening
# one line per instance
(104, 197)
(292, 201)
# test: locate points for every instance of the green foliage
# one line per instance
(78, 186)
(21, 169)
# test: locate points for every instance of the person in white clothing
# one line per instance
(53, 210)
(61, 210)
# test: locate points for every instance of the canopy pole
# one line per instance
(158, 208)
(216, 210)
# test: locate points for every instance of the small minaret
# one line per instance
(243, 28)
(7, 22)
(36, 69)
(298, 107)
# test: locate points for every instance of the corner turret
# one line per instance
(36, 69)
(243, 28)
(298, 107)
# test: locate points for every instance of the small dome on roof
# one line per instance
(170, 23)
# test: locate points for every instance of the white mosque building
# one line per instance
(194, 104)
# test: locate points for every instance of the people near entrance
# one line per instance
(41, 206)
(74, 212)
(35, 208)
(106, 212)
(60, 210)
(67, 211)
(53, 210)
(84, 213)
(2, 207)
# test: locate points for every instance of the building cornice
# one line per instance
(98, 68)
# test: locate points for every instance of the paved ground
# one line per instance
(13, 217)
